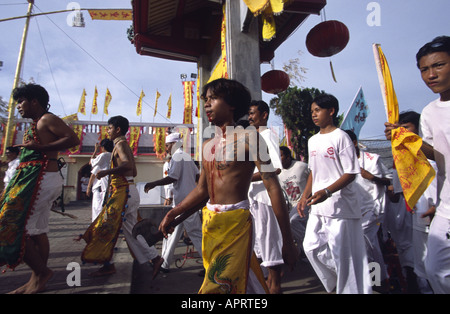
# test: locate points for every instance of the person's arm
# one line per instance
(377, 180)
(302, 204)
(272, 185)
(163, 181)
(65, 136)
(194, 198)
(124, 166)
(339, 184)
(89, 187)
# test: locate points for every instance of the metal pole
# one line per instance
(11, 107)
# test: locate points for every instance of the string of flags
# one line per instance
(188, 92)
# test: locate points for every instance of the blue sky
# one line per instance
(101, 55)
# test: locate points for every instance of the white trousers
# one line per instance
(336, 250)
(138, 246)
(97, 201)
(298, 226)
(193, 226)
(268, 238)
(437, 262)
(371, 224)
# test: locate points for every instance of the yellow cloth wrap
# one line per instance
(227, 252)
(414, 170)
(267, 9)
(101, 236)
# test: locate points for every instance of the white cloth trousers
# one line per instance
(437, 262)
(335, 248)
(97, 201)
(268, 238)
(193, 226)
(138, 246)
(371, 224)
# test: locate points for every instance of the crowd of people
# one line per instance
(342, 210)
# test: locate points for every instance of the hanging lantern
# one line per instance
(327, 38)
(275, 81)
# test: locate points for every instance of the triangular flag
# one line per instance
(94, 102)
(82, 105)
(169, 106)
(139, 104)
(156, 102)
(108, 98)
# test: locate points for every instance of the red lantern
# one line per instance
(275, 81)
(327, 38)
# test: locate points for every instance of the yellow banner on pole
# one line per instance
(82, 105)
(414, 170)
(111, 14)
(156, 102)
(169, 106)
(108, 98)
(94, 102)
(139, 104)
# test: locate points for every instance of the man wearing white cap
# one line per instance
(183, 174)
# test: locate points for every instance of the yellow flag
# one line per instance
(82, 105)
(156, 102)
(221, 68)
(414, 170)
(187, 116)
(139, 104)
(94, 102)
(108, 98)
(268, 9)
(111, 14)
(169, 106)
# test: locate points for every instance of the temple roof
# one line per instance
(184, 30)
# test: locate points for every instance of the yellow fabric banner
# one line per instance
(267, 9)
(94, 102)
(414, 170)
(169, 106)
(139, 104)
(187, 116)
(108, 98)
(82, 105)
(156, 102)
(111, 14)
(227, 252)
(79, 131)
(135, 134)
(221, 68)
(159, 142)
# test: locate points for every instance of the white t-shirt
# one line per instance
(168, 188)
(257, 189)
(184, 171)
(332, 155)
(435, 130)
(293, 181)
(101, 162)
(372, 194)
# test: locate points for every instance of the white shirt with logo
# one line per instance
(331, 155)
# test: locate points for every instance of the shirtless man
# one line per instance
(49, 135)
(226, 181)
(123, 198)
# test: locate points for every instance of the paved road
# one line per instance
(130, 277)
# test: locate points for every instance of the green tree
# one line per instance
(293, 106)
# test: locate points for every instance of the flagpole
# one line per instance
(11, 108)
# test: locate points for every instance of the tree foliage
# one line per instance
(293, 106)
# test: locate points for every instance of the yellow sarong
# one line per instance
(228, 253)
(101, 235)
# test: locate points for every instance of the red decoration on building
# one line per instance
(275, 81)
(327, 38)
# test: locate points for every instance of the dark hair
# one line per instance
(233, 93)
(286, 151)
(13, 149)
(328, 101)
(120, 122)
(262, 106)
(33, 91)
(107, 144)
(439, 44)
(409, 117)
(352, 135)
